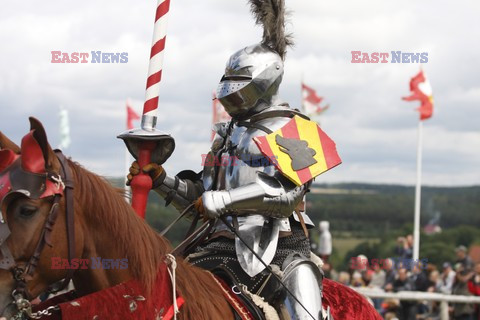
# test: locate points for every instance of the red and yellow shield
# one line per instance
(301, 149)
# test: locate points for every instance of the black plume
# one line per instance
(271, 15)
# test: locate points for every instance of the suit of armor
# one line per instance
(248, 189)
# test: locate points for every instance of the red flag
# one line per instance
(311, 101)
(219, 113)
(131, 116)
(422, 91)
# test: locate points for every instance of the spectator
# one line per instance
(404, 251)
(344, 278)
(408, 254)
(430, 267)
(464, 259)
(461, 311)
(390, 275)
(435, 282)
(356, 263)
(408, 309)
(447, 278)
(367, 276)
(390, 309)
(329, 272)
(474, 288)
(432, 311)
(377, 281)
(421, 283)
(420, 278)
(362, 263)
(401, 246)
(357, 280)
(378, 277)
(359, 265)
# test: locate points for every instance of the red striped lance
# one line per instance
(156, 58)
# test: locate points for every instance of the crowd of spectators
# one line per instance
(461, 277)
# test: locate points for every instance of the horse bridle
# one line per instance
(20, 274)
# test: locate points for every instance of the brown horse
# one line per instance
(107, 227)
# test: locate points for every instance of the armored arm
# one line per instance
(181, 190)
(271, 196)
(188, 186)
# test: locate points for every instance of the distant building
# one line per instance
(432, 229)
(432, 226)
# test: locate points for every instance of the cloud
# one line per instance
(374, 129)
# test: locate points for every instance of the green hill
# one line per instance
(369, 208)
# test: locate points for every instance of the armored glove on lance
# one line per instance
(155, 171)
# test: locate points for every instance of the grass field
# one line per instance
(341, 246)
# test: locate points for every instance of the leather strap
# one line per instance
(183, 214)
(70, 218)
(194, 239)
(287, 113)
(22, 276)
(44, 238)
(193, 225)
(253, 121)
(255, 125)
(302, 222)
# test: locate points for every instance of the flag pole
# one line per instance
(127, 155)
(214, 114)
(127, 169)
(418, 192)
(424, 95)
(302, 107)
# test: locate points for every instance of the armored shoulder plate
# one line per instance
(247, 148)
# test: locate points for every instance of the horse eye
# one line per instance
(27, 211)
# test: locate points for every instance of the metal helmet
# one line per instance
(251, 80)
(253, 74)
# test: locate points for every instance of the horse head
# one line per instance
(30, 180)
(36, 204)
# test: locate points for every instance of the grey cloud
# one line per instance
(375, 131)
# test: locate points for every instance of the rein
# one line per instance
(193, 237)
(22, 275)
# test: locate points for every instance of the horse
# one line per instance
(104, 226)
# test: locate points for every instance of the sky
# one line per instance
(375, 131)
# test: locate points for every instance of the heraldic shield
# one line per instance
(301, 149)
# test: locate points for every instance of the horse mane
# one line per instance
(105, 206)
(145, 250)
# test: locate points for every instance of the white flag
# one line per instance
(64, 129)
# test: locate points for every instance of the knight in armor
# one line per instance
(263, 205)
